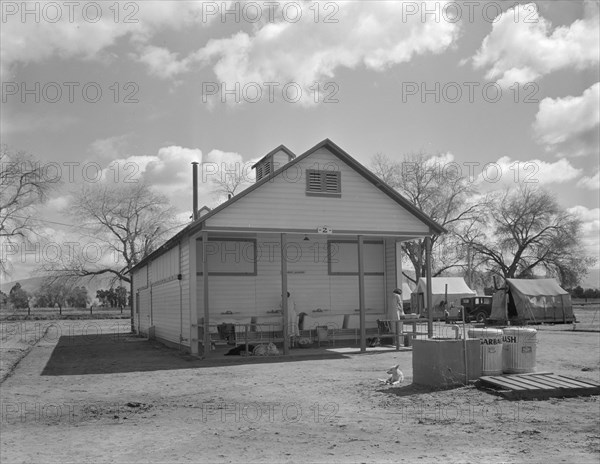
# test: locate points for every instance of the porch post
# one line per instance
(284, 290)
(193, 296)
(205, 295)
(429, 290)
(398, 257)
(361, 295)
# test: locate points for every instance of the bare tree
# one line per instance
(51, 294)
(444, 195)
(387, 169)
(229, 183)
(474, 264)
(127, 222)
(525, 230)
(23, 186)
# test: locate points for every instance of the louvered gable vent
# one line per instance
(264, 168)
(323, 183)
(272, 161)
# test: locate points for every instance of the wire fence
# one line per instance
(587, 316)
(96, 312)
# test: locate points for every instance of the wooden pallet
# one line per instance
(538, 386)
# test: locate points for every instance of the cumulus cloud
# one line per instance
(109, 148)
(507, 171)
(169, 171)
(590, 182)
(86, 30)
(58, 203)
(441, 159)
(374, 36)
(162, 63)
(570, 124)
(523, 50)
(223, 157)
(226, 168)
(586, 214)
(590, 228)
(366, 35)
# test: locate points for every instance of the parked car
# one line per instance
(477, 308)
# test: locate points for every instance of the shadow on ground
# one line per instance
(119, 353)
(416, 389)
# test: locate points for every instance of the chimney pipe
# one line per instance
(195, 188)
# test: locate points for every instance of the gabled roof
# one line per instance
(406, 291)
(536, 287)
(434, 227)
(272, 152)
(456, 286)
(346, 158)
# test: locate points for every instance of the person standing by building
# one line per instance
(292, 321)
(398, 303)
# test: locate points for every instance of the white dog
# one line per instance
(396, 376)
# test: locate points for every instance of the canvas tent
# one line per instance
(406, 298)
(455, 287)
(406, 292)
(532, 300)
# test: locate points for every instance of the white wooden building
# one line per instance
(338, 225)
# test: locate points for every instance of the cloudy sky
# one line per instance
(509, 91)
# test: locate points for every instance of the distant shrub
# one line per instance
(579, 292)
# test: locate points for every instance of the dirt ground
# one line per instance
(87, 392)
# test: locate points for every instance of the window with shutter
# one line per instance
(229, 256)
(342, 256)
(323, 183)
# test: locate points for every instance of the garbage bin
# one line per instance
(518, 350)
(491, 349)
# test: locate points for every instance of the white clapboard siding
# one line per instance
(145, 310)
(140, 281)
(308, 278)
(309, 283)
(185, 285)
(167, 310)
(344, 291)
(267, 290)
(165, 266)
(280, 159)
(246, 295)
(164, 304)
(163, 299)
(140, 278)
(282, 203)
(390, 276)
